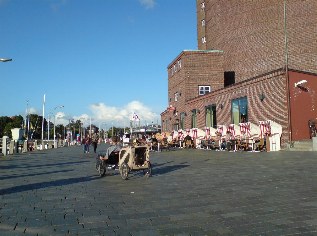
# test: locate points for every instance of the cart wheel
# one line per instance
(148, 172)
(101, 169)
(124, 170)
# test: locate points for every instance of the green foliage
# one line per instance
(8, 123)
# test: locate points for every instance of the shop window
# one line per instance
(239, 110)
(211, 118)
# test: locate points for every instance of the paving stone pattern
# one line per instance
(191, 192)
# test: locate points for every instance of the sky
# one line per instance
(98, 61)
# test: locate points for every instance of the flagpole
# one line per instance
(43, 123)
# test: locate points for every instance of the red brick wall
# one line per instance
(252, 36)
(273, 107)
(197, 68)
(201, 29)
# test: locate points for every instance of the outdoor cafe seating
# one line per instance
(245, 136)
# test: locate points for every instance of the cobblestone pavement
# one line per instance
(191, 192)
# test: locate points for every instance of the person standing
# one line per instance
(87, 143)
(95, 140)
(83, 142)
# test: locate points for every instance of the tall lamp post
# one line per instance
(62, 106)
(83, 131)
(48, 125)
(27, 121)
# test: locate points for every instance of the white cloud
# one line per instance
(102, 114)
(33, 110)
(117, 116)
(147, 3)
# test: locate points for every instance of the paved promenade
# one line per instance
(191, 192)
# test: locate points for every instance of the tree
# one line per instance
(3, 121)
(8, 123)
(60, 131)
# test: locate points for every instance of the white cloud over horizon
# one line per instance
(111, 115)
(102, 113)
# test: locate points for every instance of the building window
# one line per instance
(166, 125)
(204, 90)
(229, 78)
(239, 110)
(194, 118)
(203, 22)
(182, 120)
(203, 39)
(210, 119)
(176, 125)
(202, 5)
(176, 96)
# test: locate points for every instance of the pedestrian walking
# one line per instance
(86, 142)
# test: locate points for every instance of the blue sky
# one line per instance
(101, 59)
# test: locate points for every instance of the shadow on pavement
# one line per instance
(42, 165)
(166, 169)
(43, 185)
(34, 174)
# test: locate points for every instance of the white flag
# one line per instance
(135, 117)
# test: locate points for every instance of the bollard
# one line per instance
(314, 143)
(25, 146)
(4, 145)
(12, 149)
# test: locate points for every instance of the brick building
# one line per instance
(250, 56)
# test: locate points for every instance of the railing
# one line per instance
(22, 146)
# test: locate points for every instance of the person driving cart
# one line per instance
(113, 149)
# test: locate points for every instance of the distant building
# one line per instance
(256, 61)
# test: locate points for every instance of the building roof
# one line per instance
(193, 51)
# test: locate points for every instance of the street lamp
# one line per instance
(83, 131)
(104, 130)
(5, 59)
(48, 125)
(62, 106)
